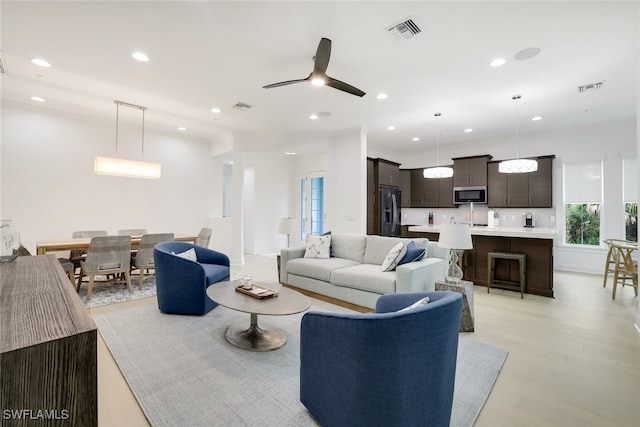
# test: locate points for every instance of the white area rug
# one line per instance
(183, 372)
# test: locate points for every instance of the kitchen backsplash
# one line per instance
(545, 218)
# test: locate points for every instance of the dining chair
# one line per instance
(204, 237)
(143, 258)
(106, 255)
(133, 231)
(626, 270)
(78, 255)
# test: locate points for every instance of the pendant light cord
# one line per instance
(139, 107)
(117, 110)
(437, 138)
(516, 98)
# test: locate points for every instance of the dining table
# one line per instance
(82, 243)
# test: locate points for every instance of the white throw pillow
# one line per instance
(394, 256)
(422, 301)
(189, 254)
(318, 246)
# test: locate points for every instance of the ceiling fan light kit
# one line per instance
(318, 76)
(517, 165)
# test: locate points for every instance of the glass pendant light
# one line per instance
(517, 165)
(438, 172)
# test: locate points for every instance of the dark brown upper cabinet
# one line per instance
(521, 190)
(470, 171)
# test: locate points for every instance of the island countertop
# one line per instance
(524, 232)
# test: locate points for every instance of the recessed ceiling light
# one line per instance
(140, 56)
(468, 130)
(313, 117)
(37, 98)
(182, 128)
(41, 62)
(290, 153)
(536, 118)
(391, 127)
(382, 96)
(216, 110)
(415, 139)
(497, 62)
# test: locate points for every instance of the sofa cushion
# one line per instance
(188, 254)
(320, 269)
(393, 258)
(414, 253)
(349, 246)
(366, 277)
(419, 303)
(318, 246)
(378, 247)
(215, 273)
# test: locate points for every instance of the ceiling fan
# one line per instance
(318, 76)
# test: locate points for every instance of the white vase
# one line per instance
(10, 241)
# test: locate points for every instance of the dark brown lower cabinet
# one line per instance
(539, 262)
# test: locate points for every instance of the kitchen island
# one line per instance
(536, 243)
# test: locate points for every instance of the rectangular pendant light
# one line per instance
(128, 168)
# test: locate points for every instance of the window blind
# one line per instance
(630, 180)
(582, 182)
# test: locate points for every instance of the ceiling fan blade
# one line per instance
(288, 82)
(345, 87)
(323, 53)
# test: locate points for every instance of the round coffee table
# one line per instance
(257, 338)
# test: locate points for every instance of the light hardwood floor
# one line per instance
(573, 360)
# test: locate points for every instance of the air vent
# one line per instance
(242, 106)
(404, 30)
(591, 86)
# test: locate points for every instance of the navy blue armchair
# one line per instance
(387, 368)
(181, 283)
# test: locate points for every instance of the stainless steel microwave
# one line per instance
(462, 195)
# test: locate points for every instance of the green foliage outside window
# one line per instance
(583, 223)
(631, 221)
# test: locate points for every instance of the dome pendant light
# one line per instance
(517, 165)
(438, 172)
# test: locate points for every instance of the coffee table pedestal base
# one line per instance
(255, 338)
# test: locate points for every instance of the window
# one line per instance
(630, 198)
(582, 201)
(311, 205)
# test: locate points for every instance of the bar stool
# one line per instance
(522, 262)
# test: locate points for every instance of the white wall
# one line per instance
(271, 197)
(48, 187)
(345, 184)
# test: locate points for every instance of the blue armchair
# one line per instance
(181, 283)
(386, 368)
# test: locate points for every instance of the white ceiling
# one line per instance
(206, 54)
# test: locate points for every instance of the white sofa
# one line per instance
(355, 275)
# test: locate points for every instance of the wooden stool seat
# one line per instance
(522, 262)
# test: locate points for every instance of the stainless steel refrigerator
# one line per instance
(389, 212)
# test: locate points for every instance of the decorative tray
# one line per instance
(258, 291)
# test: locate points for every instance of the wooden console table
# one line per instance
(48, 347)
